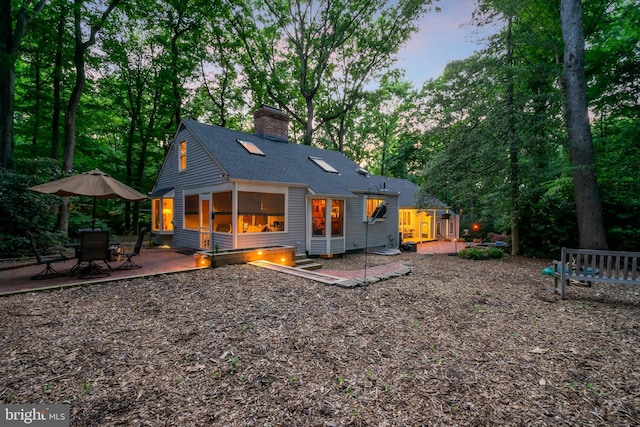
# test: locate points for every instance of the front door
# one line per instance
(205, 222)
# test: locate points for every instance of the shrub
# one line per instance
(473, 253)
(495, 253)
(481, 253)
(22, 210)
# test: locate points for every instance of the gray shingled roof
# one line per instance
(289, 163)
(283, 162)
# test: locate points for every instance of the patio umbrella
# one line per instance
(95, 184)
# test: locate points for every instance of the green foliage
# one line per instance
(22, 210)
(157, 62)
(495, 253)
(549, 219)
(481, 253)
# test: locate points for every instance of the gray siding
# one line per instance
(318, 247)
(337, 246)
(381, 234)
(224, 241)
(201, 171)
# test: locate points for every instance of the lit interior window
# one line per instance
(371, 204)
(183, 155)
(162, 214)
(250, 147)
(323, 164)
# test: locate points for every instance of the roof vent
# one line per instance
(362, 171)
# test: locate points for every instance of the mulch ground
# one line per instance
(456, 342)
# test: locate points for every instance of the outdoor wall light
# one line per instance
(202, 260)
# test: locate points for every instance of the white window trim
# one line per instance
(365, 217)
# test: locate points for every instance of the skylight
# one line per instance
(251, 147)
(323, 164)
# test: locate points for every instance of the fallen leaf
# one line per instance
(538, 350)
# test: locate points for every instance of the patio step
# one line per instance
(311, 275)
(304, 263)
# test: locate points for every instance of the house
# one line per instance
(434, 221)
(227, 189)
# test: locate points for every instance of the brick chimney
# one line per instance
(270, 122)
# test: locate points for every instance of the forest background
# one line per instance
(103, 84)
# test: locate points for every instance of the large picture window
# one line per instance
(192, 212)
(260, 212)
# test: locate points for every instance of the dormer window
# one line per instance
(323, 164)
(250, 147)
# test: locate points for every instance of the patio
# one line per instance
(153, 261)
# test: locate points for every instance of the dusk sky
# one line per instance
(443, 37)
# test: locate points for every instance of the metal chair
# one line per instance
(48, 272)
(130, 263)
(94, 246)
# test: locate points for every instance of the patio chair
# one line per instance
(94, 246)
(130, 263)
(48, 272)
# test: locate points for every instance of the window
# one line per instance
(337, 214)
(406, 217)
(371, 204)
(222, 206)
(191, 212)
(162, 214)
(319, 213)
(323, 164)
(260, 212)
(250, 147)
(319, 218)
(183, 156)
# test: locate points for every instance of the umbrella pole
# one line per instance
(93, 219)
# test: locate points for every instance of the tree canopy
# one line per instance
(105, 83)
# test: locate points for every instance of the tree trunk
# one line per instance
(175, 79)
(36, 108)
(10, 40)
(7, 82)
(591, 233)
(341, 133)
(74, 101)
(514, 173)
(57, 83)
(308, 125)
